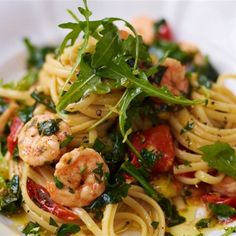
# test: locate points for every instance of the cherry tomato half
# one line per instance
(157, 139)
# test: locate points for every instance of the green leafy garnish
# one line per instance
(98, 171)
(222, 210)
(26, 113)
(203, 223)
(112, 195)
(67, 229)
(67, 141)
(171, 214)
(10, 202)
(53, 222)
(43, 99)
(58, 183)
(36, 56)
(28, 80)
(220, 156)
(189, 126)
(48, 127)
(154, 224)
(32, 229)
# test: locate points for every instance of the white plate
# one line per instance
(209, 24)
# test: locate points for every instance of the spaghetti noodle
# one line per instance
(112, 133)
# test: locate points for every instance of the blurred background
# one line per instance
(211, 24)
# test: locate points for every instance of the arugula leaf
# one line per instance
(28, 80)
(67, 229)
(203, 223)
(31, 229)
(3, 106)
(107, 47)
(48, 127)
(129, 49)
(11, 201)
(86, 13)
(36, 56)
(58, 183)
(26, 113)
(222, 210)
(220, 156)
(43, 99)
(86, 83)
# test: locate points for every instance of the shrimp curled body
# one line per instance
(81, 173)
(36, 149)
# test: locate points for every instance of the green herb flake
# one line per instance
(26, 113)
(48, 127)
(154, 224)
(53, 222)
(67, 141)
(67, 229)
(222, 210)
(189, 126)
(32, 229)
(43, 99)
(203, 223)
(58, 183)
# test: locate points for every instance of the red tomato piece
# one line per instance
(212, 198)
(164, 32)
(16, 126)
(41, 197)
(157, 139)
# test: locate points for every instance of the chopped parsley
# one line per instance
(48, 127)
(67, 229)
(222, 210)
(32, 229)
(189, 126)
(203, 223)
(58, 183)
(154, 224)
(53, 222)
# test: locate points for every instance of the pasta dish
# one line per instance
(117, 130)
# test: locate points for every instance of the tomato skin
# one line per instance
(15, 128)
(157, 139)
(212, 198)
(40, 195)
(164, 32)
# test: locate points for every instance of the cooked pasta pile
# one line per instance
(110, 134)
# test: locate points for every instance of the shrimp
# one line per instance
(145, 27)
(81, 174)
(174, 77)
(226, 187)
(36, 149)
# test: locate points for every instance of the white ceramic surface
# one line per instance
(210, 24)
